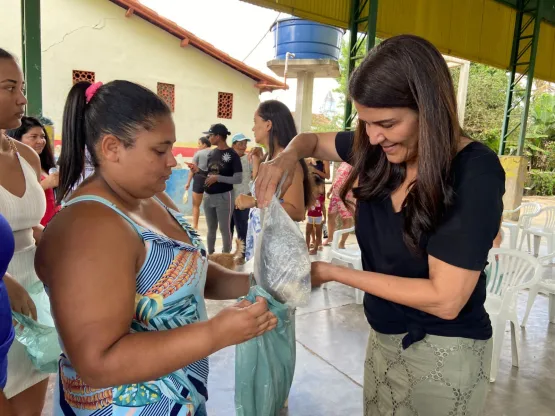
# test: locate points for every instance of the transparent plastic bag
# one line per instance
(40, 341)
(281, 259)
(40, 337)
(264, 366)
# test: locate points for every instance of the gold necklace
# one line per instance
(11, 143)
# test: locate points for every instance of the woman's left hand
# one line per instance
(245, 202)
(211, 180)
(20, 301)
(321, 272)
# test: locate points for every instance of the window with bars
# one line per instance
(225, 105)
(167, 93)
(79, 76)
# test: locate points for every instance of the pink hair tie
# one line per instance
(91, 91)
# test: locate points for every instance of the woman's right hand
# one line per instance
(20, 300)
(256, 154)
(193, 167)
(51, 181)
(243, 321)
(270, 175)
(187, 187)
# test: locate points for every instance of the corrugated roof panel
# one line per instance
(477, 30)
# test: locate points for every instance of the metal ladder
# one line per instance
(523, 59)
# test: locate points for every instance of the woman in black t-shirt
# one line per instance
(429, 205)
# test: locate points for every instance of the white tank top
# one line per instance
(26, 212)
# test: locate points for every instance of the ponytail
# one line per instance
(74, 138)
(119, 108)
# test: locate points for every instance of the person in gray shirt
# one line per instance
(197, 173)
(240, 218)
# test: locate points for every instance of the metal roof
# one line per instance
(476, 30)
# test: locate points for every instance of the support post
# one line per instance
(31, 48)
(463, 91)
(372, 25)
(523, 59)
(515, 174)
(305, 91)
(358, 7)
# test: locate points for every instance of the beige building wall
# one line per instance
(10, 34)
(95, 35)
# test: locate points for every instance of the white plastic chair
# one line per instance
(526, 212)
(547, 231)
(350, 256)
(509, 271)
(544, 285)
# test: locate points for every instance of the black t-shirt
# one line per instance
(463, 239)
(223, 163)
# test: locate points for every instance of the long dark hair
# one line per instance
(282, 132)
(120, 108)
(47, 156)
(205, 141)
(407, 71)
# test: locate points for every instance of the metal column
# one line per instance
(367, 27)
(31, 48)
(523, 59)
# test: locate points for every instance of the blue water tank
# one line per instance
(306, 39)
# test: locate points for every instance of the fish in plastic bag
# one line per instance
(281, 259)
(265, 365)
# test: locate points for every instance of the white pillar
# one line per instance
(303, 111)
(463, 90)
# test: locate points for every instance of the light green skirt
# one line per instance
(438, 376)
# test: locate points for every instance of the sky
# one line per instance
(236, 27)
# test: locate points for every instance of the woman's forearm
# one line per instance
(37, 233)
(419, 294)
(46, 184)
(297, 214)
(225, 284)
(303, 145)
(190, 178)
(320, 146)
(320, 173)
(118, 364)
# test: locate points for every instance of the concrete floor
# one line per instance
(331, 342)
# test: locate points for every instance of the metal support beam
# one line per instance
(362, 30)
(31, 48)
(523, 60)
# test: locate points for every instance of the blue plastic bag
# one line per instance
(264, 366)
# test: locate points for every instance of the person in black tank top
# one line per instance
(429, 205)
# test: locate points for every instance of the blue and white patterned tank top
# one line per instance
(169, 294)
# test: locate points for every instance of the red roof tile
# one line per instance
(263, 82)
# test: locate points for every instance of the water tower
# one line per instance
(305, 50)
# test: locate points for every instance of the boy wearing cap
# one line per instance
(224, 171)
(240, 218)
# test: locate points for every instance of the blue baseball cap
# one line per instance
(239, 137)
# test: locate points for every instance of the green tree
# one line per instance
(485, 103)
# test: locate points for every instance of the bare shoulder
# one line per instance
(29, 155)
(85, 231)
